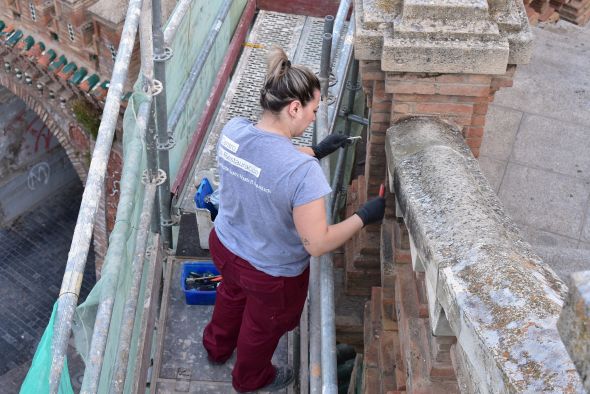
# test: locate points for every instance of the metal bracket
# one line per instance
(164, 56)
(169, 223)
(349, 86)
(331, 99)
(147, 178)
(166, 145)
(332, 80)
(156, 87)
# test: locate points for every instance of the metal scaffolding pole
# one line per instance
(337, 180)
(339, 26)
(149, 208)
(130, 308)
(175, 19)
(197, 68)
(315, 333)
(328, 331)
(164, 143)
(72, 281)
(146, 46)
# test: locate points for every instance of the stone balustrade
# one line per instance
(484, 283)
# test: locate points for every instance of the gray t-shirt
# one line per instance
(262, 178)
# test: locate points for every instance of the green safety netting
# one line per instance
(37, 379)
(116, 270)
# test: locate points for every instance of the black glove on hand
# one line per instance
(372, 211)
(329, 145)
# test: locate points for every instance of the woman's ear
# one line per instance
(294, 108)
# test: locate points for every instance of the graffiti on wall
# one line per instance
(39, 175)
(37, 137)
(24, 140)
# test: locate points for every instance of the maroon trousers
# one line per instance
(252, 311)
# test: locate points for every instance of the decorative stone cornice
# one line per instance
(443, 36)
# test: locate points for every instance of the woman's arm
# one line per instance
(307, 150)
(317, 237)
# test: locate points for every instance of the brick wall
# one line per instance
(317, 8)
(78, 146)
(378, 259)
(460, 98)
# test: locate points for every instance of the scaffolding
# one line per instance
(114, 327)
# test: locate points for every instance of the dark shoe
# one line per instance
(215, 362)
(283, 378)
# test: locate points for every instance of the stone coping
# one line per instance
(447, 36)
(501, 301)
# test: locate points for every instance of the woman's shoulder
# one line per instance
(238, 121)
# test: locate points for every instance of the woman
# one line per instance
(271, 219)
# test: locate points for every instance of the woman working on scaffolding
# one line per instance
(271, 219)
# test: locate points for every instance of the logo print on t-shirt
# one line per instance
(239, 162)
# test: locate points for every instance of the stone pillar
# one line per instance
(442, 58)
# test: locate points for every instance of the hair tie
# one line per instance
(287, 63)
(263, 92)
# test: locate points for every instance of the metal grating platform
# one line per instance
(181, 364)
(301, 38)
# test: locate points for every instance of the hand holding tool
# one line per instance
(329, 145)
(373, 210)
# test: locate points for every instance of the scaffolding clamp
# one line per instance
(164, 56)
(169, 144)
(148, 177)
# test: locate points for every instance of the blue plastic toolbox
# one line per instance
(198, 297)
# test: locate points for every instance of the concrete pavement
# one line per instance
(536, 147)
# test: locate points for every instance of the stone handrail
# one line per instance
(484, 284)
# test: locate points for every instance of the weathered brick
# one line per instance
(474, 142)
(501, 83)
(479, 79)
(480, 109)
(410, 87)
(380, 117)
(378, 139)
(443, 109)
(474, 132)
(378, 126)
(463, 90)
(452, 78)
(382, 106)
(399, 97)
(460, 120)
(401, 108)
(479, 120)
(472, 99)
